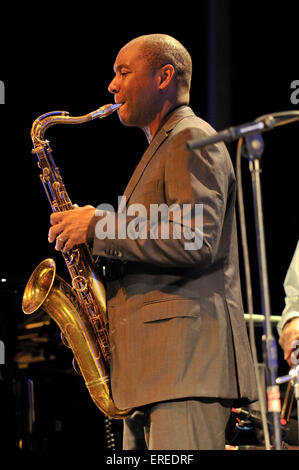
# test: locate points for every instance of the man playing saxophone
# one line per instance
(180, 352)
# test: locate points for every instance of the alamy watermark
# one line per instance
(162, 222)
(295, 94)
(2, 92)
(2, 353)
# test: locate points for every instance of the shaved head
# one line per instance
(162, 49)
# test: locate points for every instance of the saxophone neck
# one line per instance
(50, 176)
(42, 123)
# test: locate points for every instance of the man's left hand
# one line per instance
(289, 338)
(69, 228)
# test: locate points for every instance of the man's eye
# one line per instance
(124, 73)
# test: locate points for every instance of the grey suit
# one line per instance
(179, 332)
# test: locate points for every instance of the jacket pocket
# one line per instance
(169, 308)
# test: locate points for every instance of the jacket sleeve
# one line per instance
(197, 184)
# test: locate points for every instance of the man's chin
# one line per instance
(126, 120)
(123, 115)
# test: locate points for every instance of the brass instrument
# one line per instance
(80, 310)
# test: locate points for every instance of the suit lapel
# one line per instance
(147, 156)
(159, 138)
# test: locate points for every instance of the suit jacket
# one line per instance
(179, 333)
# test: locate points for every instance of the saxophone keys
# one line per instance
(37, 149)
(45, 175)
(74, 257)
(56, 186)
(79, 283)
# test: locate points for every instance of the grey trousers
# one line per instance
(187, 424)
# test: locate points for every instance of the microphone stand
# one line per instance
(255, 146)
(293, 378)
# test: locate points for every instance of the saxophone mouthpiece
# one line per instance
(105, 110)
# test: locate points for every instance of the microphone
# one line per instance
(289, 429)
(233, 133)
(261, 124)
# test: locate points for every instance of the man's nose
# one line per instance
(113, 86)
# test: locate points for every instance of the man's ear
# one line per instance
(166, 75)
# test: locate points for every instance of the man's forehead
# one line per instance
(128, 55)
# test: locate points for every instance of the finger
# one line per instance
(54, 231)
(68, 246)
(60, 242)
(287, 355)
(55, 218)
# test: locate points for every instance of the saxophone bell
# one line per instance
(48, 292)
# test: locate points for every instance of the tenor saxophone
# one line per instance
(78, 309)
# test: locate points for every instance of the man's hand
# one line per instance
(69, 228)
(287, 340)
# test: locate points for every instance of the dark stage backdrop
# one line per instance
(244, 60)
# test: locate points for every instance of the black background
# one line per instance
(61, 58)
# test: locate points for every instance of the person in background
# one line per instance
(288, 327)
